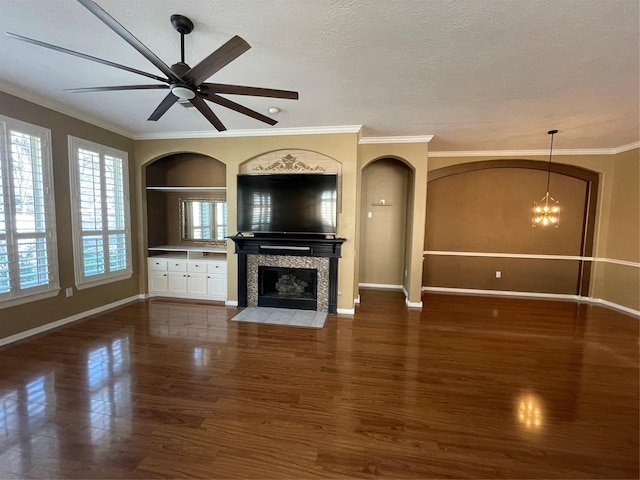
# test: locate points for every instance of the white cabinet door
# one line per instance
(197, 284)
(177, 283)
(158, 282)
(217, 286)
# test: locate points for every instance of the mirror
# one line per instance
(203, 220)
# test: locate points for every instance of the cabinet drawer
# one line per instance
(157, 264)
(177, 266)
(217, 267)
(197, 267)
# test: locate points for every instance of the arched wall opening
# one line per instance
(479, 234)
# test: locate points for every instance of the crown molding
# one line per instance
(526, 153)
(262, 132)
(11, 89)
(408, 139)
(626, 148)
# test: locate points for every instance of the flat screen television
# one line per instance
(299, 203)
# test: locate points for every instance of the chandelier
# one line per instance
(546, 211)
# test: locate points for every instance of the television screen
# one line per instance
(287, 203)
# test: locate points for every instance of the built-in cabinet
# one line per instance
(182, 262)
(178, 275)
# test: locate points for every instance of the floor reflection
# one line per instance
(109, 381)
(530, 411)
(188, 321)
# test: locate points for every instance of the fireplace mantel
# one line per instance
(288, 245)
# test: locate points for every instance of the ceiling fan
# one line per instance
(184, 82)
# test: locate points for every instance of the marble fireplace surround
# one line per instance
(320, 264)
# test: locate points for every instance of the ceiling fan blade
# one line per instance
(252, 91)
(218, 59)
(128, 37)
(165, 105)
(212, 97)
(83, 55)
(204, 109)
(116, 88)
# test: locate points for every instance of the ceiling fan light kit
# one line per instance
(185, 83)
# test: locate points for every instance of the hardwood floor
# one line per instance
(469, 387)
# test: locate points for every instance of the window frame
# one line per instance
(17, 295)
(83, 281)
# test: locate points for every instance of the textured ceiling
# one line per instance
(477, 74)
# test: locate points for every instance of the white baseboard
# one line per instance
(357, 300)
(64, 321)
(413, 304)
(382, 286)
(231, 303)
(550, 296)
(346, 311)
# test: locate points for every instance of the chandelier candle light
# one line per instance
(546, 211)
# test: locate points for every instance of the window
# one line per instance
(100, 213)
(28, 251)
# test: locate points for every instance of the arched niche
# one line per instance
(386, 212)
(478, 209)
(171, 182)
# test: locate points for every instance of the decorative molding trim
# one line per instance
(262, 132)
(63, 109)
(64, 321)
(551, 296)
(527, 153)
(408, 139)
(346, 311)
(532, 256)
(288, 163)
(382, 286)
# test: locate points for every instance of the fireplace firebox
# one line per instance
(287, 287)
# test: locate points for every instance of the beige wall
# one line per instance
(14, 320)
(234, 151)
(620, 238)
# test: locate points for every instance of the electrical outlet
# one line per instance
(69, 292)
(370, 215)
(498, 274)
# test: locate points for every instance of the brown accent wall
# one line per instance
(17, 319)
(489, 211)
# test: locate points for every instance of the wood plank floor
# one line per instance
(469, 387)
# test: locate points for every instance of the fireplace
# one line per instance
(287, 287)
(294, 253)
